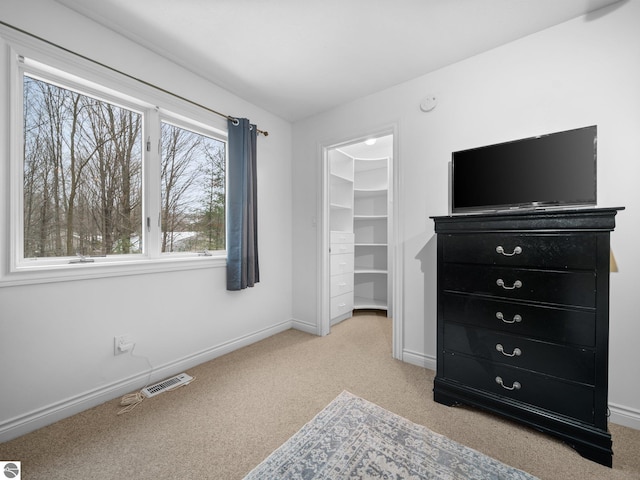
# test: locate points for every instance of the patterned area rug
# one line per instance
(355, 439)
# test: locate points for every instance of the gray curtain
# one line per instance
(242, 208)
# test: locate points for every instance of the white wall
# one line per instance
(583, 72)
(56, 339)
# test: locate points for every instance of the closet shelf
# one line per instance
(341, 206)
(382, 190)
(342, 178)
(370, 217)
(366, 303)
(368, 271)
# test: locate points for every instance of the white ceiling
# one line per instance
(296, 58)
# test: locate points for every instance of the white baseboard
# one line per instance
(306, 327)
(42, 417)
(34, 420)
(625, 416)
(419, 359)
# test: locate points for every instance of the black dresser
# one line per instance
(523, 320)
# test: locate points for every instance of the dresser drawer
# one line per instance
(566, 398)
(341, 237)
(560, 325)
(543, 357)
(341, 263)
(555, 287)
(338, 248)
(341, 304)
(575, 251)
(341, 284)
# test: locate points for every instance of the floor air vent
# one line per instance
(165, 385)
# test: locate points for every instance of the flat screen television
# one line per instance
(554, 170)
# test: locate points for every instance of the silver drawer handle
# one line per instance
(516, 251)
(516, 318)
(517, 284)
(516, 351)
(516, 385)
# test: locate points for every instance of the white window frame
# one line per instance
(187, 124)
(22, 54)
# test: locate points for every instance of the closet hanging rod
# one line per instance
(144, 82)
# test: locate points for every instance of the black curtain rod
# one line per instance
(144, 82)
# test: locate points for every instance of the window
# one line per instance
(101, 177)
(82, 174)
(193, 191)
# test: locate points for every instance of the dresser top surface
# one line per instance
(598, 219)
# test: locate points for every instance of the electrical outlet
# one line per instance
(122, 344)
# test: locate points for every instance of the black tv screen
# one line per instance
(554, 170)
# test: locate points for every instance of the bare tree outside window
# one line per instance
(193, 191)
(82, 188)
(83, 179)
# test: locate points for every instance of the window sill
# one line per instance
(26, 275)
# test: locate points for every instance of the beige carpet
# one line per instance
(244, 405)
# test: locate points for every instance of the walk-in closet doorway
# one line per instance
(359, 267)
